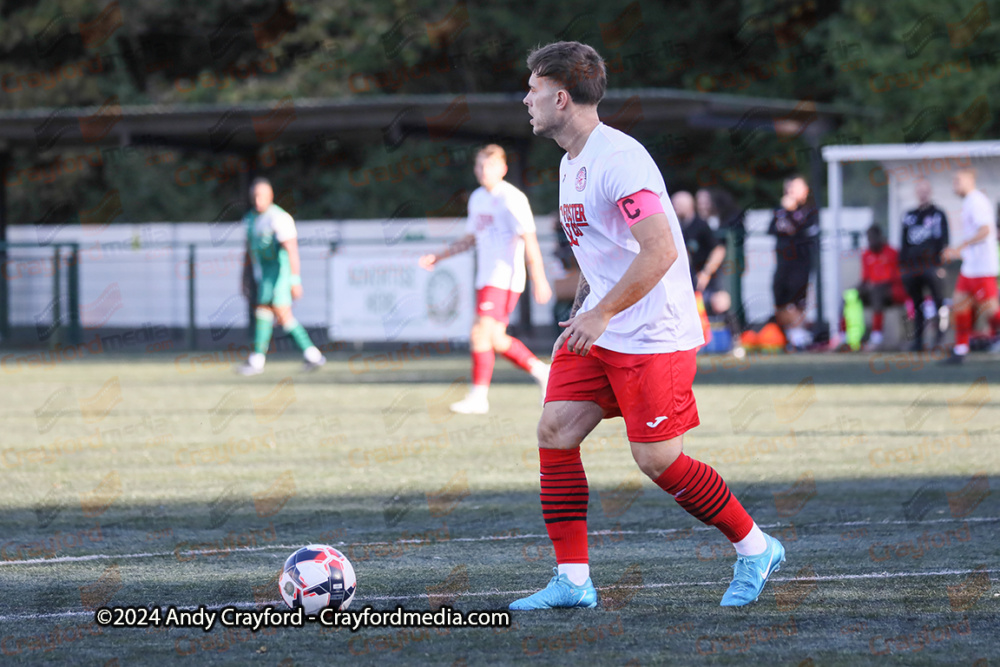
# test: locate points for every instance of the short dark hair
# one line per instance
(260, 180)
(577, 67)
(795, 177)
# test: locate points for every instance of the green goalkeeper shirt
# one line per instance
(265, 233)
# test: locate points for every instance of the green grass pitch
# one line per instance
(167, 480)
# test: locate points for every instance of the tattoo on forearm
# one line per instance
(458, 247)
(582, 290)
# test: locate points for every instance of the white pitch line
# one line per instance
(477, 594)
(483, 538)
(833, 577)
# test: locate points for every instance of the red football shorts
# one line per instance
(981, 289)
(496, 302)
(651, 391)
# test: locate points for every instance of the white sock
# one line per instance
(961, 350)
(312, 354)
(753, 544)
(875, 338)
(539, 369)
(578, 573)
(479, 391)
(256, 360)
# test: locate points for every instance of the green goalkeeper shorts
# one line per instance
(275, 288)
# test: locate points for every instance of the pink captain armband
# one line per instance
(639, 206)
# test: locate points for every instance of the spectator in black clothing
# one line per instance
(796, 228)
(718, 208)
(731, 216)
(705, 207)
(732, 231)
(705, 252)
(925, 236)
(705, 255)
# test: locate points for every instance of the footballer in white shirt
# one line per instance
(502, 230)
(629, 346)
(976, 290)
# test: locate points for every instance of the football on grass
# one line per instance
(315, 577)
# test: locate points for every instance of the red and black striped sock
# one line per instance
(565, 495)
(703, 494)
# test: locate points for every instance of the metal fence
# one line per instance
(135, 297)
(155, 286)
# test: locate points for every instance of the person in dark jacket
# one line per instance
(795, 226)
(925, 236)
(706, 219)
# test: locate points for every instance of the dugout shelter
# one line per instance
(892, 170)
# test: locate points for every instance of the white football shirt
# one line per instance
(276, 222)
(499, 219)
(979, 260)
(613, 165)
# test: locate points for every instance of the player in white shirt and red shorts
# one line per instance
(976, 290)
(629, 348)
(502, 230)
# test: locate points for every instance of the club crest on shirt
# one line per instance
(581, 179)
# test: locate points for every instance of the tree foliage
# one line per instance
(923, 68)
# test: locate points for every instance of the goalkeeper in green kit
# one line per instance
(273, 254)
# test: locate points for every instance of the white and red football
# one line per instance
(317, 576)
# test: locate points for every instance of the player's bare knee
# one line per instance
(548, 432)
(649, 469)
(477, 336)
(647, 464)
(653, 458)
(961, 302)
(500, 340)
(552, 435)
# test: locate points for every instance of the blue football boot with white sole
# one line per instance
(750, 573)
(561, 593)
